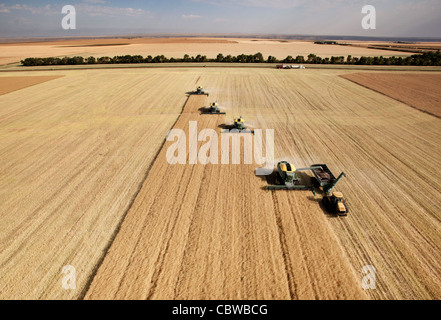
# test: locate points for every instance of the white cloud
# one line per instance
(3, 9)
(47, 10)
(95, 1)
(256, 3)
(190, 16)
(93, 9)
(284, 4)
(98, 10)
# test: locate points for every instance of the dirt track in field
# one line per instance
(421, 91)
(213, 232)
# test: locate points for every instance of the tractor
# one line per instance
(324, 179)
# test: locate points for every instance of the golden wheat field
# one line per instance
(84, 181)
(73, 152)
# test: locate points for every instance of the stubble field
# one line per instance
(73, 151)
(84, 170)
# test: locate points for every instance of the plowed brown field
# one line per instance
(421, 91)
(9, 84)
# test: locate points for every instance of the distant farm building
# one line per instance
(290, 66)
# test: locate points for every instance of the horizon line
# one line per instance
(275, 36)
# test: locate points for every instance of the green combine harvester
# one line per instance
(213, 109)
(239, 125)
(288, 179)
(200, 91)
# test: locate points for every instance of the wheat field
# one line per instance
(73, 151)
(84, 182)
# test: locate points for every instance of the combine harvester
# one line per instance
(213, 109)
(239, 124)
(200, 91)
(287, 179)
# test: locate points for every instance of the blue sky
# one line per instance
(395, 18)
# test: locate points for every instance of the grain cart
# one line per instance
(324, 179)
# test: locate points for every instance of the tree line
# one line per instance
(424, 59)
